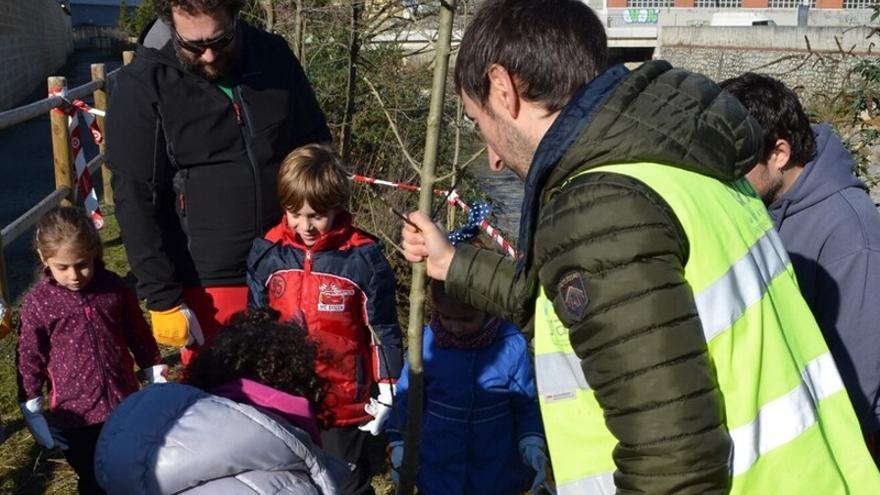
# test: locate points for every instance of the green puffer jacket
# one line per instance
(631, 251)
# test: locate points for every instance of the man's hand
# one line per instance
(427, 242)
(176, 327)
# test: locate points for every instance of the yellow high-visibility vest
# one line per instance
(792, 425)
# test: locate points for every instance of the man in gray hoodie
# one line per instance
(830, 228)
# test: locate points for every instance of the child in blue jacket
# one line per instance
(481, 427)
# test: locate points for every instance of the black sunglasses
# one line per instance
(217, 43)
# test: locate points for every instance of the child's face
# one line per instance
(309, 224)
(70, 267)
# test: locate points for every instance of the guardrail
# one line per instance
(65, 175)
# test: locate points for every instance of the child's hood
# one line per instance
(293, 408)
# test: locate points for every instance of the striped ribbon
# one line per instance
(85, 187)
(453, 198)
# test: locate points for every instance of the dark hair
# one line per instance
(444, 304)
(67, 225)
(779, 112)
(313, 174)
(258, 347)
(551, 48)
(193, 7)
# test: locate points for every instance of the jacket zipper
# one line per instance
(87, 309)
(245, 125)
(308, 263)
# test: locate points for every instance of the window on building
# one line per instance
(650, 4)
(718, 4)
(788, 4)
(858, 4)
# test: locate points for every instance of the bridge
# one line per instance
(100, 38)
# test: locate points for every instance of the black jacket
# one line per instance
(194, 173)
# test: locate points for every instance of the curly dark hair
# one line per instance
(256, 346)
(193, 7)
(779, 112)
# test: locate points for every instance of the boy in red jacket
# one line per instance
(315, 262)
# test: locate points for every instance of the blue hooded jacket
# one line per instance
(479, 403)
(831, 230)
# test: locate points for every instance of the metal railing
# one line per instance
(65, 174)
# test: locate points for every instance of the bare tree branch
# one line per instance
(393, 124)
(464, 165)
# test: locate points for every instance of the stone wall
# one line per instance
(815, 61)
(35, 40)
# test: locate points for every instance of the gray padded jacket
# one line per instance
(177, 439)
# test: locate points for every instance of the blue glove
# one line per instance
(395, 454)
(533, 450)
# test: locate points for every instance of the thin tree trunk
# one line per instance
(354, 47)
(298, 36)
(415, 407)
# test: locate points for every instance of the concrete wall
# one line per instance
(815, 68)
(35, 39)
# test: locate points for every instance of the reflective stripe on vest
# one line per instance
(781, 407)
(600, 484)
(744, 284)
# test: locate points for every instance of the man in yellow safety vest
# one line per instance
(673, 350)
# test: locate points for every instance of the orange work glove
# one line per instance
(177, 327)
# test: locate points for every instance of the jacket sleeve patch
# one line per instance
(277, 286)
(572, 294)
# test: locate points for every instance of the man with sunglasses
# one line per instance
(197, 127)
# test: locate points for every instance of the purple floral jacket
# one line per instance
(79, 342)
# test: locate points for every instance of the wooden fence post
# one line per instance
(65, 176)
(99, 74)
(4, 284)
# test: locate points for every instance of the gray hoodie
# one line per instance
(832, 232)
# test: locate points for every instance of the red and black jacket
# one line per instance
(346, 289)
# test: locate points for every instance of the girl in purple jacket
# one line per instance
(78, 323)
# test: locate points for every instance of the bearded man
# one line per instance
(197, 126)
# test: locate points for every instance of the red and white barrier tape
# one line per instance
(452, 197)
(85, 187)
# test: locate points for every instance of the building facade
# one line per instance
(733, 4)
